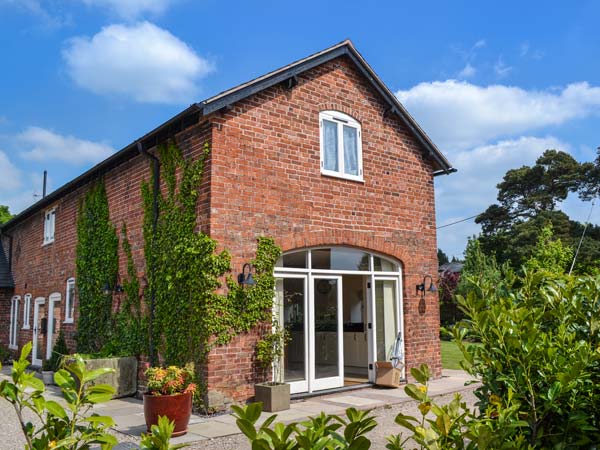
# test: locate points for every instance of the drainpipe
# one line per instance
(155, 194)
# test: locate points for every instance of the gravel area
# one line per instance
(385, 419)
(11, 437)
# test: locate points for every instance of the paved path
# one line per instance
(129, 415)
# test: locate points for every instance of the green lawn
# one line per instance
(451, 355)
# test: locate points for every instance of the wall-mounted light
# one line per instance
(421, 287)
(108, 290)
(245, 278)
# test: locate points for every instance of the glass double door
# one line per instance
(311, 308)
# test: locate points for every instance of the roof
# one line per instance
(6, 279)
(197, 111)
(453, 267)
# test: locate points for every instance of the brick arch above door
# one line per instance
(361, 240)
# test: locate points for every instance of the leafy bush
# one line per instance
(320, 432)
(159, 436)
(59, 350)
(540, 337)
(4, 353)
(71, 428)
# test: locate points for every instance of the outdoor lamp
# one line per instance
(108, 290)
(421, 287)
(245, 278)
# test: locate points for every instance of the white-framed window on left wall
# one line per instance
(70, 300)
(14, 322)
(26, 311)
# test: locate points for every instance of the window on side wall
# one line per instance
(49, 223)
(26, 310)
(14, 325)
(341, 146)
(70, 300)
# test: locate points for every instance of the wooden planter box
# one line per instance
(274, 396)
(124, 379)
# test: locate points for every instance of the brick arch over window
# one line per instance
(365, 241)
(334, 106)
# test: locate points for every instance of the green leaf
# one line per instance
(54, 408)
(247, 428)
(93, 374)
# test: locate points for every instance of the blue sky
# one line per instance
(493, 84)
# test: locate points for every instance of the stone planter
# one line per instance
(274, 396)
(48, 377)
(178, 408)
(124, 379)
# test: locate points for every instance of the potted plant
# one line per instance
(274, 395)
(47, 372)
(169, 394)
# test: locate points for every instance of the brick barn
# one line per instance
(319, 155)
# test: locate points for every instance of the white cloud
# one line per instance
(45, 145)
(467, 72)
(473, 188)
(141, 61)
(51, 19)
(131, 9)
(501, 69)
(460, 115)
(11, 175)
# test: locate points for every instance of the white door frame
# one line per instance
(372, 317)
(52, 299)
(36, 315)
(302, 385)
(317, 384)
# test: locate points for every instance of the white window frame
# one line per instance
(14, 323)
(26, 311)
(69, 301)
(341, 120)
(49, 226)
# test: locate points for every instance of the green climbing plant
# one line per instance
(185, 271)
(97, 263)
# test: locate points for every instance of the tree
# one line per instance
(549, 254)
(442, 257)
(527, 203)
(5, 214)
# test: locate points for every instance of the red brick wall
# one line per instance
(266, 181)
(43, 269)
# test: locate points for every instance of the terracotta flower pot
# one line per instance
(177, 408)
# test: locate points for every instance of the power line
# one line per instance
(582, 235)
(458, 221)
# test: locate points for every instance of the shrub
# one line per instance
(58, 352)
(70, 428)
(540, 336)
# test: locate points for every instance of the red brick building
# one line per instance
(319, 155)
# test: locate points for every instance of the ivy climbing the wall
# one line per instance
(97, 264)
(130, 325)
(185, 272)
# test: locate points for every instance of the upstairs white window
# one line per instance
(70, 300)
(26, 310)
(49, 221)
(341, 146)
(14, 319)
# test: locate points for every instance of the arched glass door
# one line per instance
(342, 310)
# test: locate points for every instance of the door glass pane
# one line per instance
(290, 298)
(386, 314)
(330, 145)
(326, 328)
(40, 349)
(350, 150)
(339, 259)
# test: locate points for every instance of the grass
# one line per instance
(451, 355)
